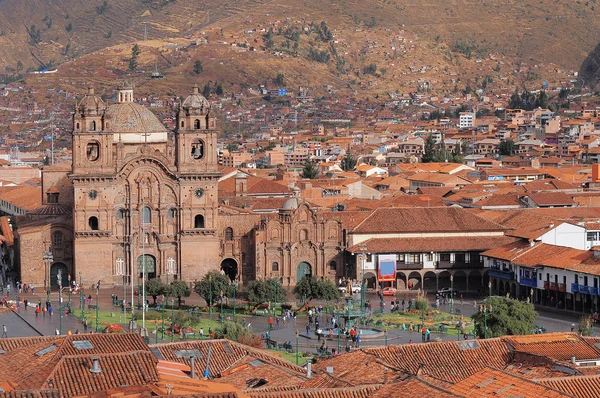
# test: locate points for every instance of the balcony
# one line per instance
(577, 288)
(457, 265)
(497, 273)
(408, 266)
(555, 286)
(530, 282)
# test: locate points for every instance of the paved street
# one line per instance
(27, 323)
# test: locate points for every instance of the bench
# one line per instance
(189, 334)
(284, 346)
(92, 306)
(271, 344)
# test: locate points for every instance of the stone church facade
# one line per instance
(138, 197)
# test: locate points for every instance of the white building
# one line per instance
(466, 120)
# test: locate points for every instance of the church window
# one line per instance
(198, 149)
(107, 125)
(171, 214)
(92, 151)
(57, 239)
(228, 233)
(120, 214)
(93, 125)
(275, 266)
(332, 266)
(303, 234)
(93, 223)
(146, 215)
(77, 126)
(199, 221)
(182, 123)
(197, 124)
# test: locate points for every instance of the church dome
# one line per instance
(294, 202)
(129, 117)
(196, 104)
(91, 104)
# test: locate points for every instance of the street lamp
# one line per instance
(97, 290)
(173, 318)
(210, 296)
(483, 309)
(81, 297)
(296, 346)
(59, 280)
(48, 257)
(69, 304)
(221, 314)
(120, 271)
(363, 257)
(234, 286)
(452, 294)
(171, 270)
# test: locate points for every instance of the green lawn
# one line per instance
(433, 320)
(291, 356)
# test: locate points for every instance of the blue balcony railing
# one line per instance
(583, 289)
(496, 273)
(530, 282)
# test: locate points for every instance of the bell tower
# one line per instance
(196, 135)
(92, 144)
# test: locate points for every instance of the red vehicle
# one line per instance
(389, 291)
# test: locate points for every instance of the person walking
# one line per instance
(4, 332)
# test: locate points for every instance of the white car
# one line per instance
(355, 288)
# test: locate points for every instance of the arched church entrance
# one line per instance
(304, 269)
(64, 275)
(230, 268)
(147, 264)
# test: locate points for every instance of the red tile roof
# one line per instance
(425, 220)
(577, 386)
(557, 346)
(416, 245)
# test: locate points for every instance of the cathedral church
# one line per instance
(139, 199)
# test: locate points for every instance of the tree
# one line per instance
(310, 170)
(264, 290)
(219, 89)
(310, 288)
(232, 147)
(135, 52)
(507, 147)
(19, 66)
(154, 288)
(279, 80)
(69, 27)
(178, 289)
(211, 286)
(198, 68)
(429, 151)
(506, 317)
(206, 90)
(348, 162)
(239, 333)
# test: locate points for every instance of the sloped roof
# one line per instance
(425, 245)
(557, 346)
(427, 219)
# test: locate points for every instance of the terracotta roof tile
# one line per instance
(577, 386)
(348, 392)
(558, 346)
(427, 219)
(495, 383)
(412, 387)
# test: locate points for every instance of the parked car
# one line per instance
(389, 291)
(355, 288)
(447, 291)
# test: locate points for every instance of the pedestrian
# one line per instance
(409, 341)
(201, 333)
(25, 304)
(37, 311)
(308, 330)
(4, 332)
(85, 325)
(56, 332)
(358, 340)
(428, 334)
(32, 290)
(423, 332)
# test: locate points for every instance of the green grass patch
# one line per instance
(434, 319)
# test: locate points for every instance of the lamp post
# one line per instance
(221, 313)
(171, 270)
(120, 271)
(48, 257)
(275, 299)
(81, 297)
(234, 285)
(363, 257)
(69, 304)
(385, 332)
(97, 289)
(210, 296)
(452, 294)
(59, 280)
(296, 346)
(173, 318)
(485, 310)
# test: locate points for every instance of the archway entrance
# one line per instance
(147, 262)
(304, 269)
(64, 275)
(230, 268)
